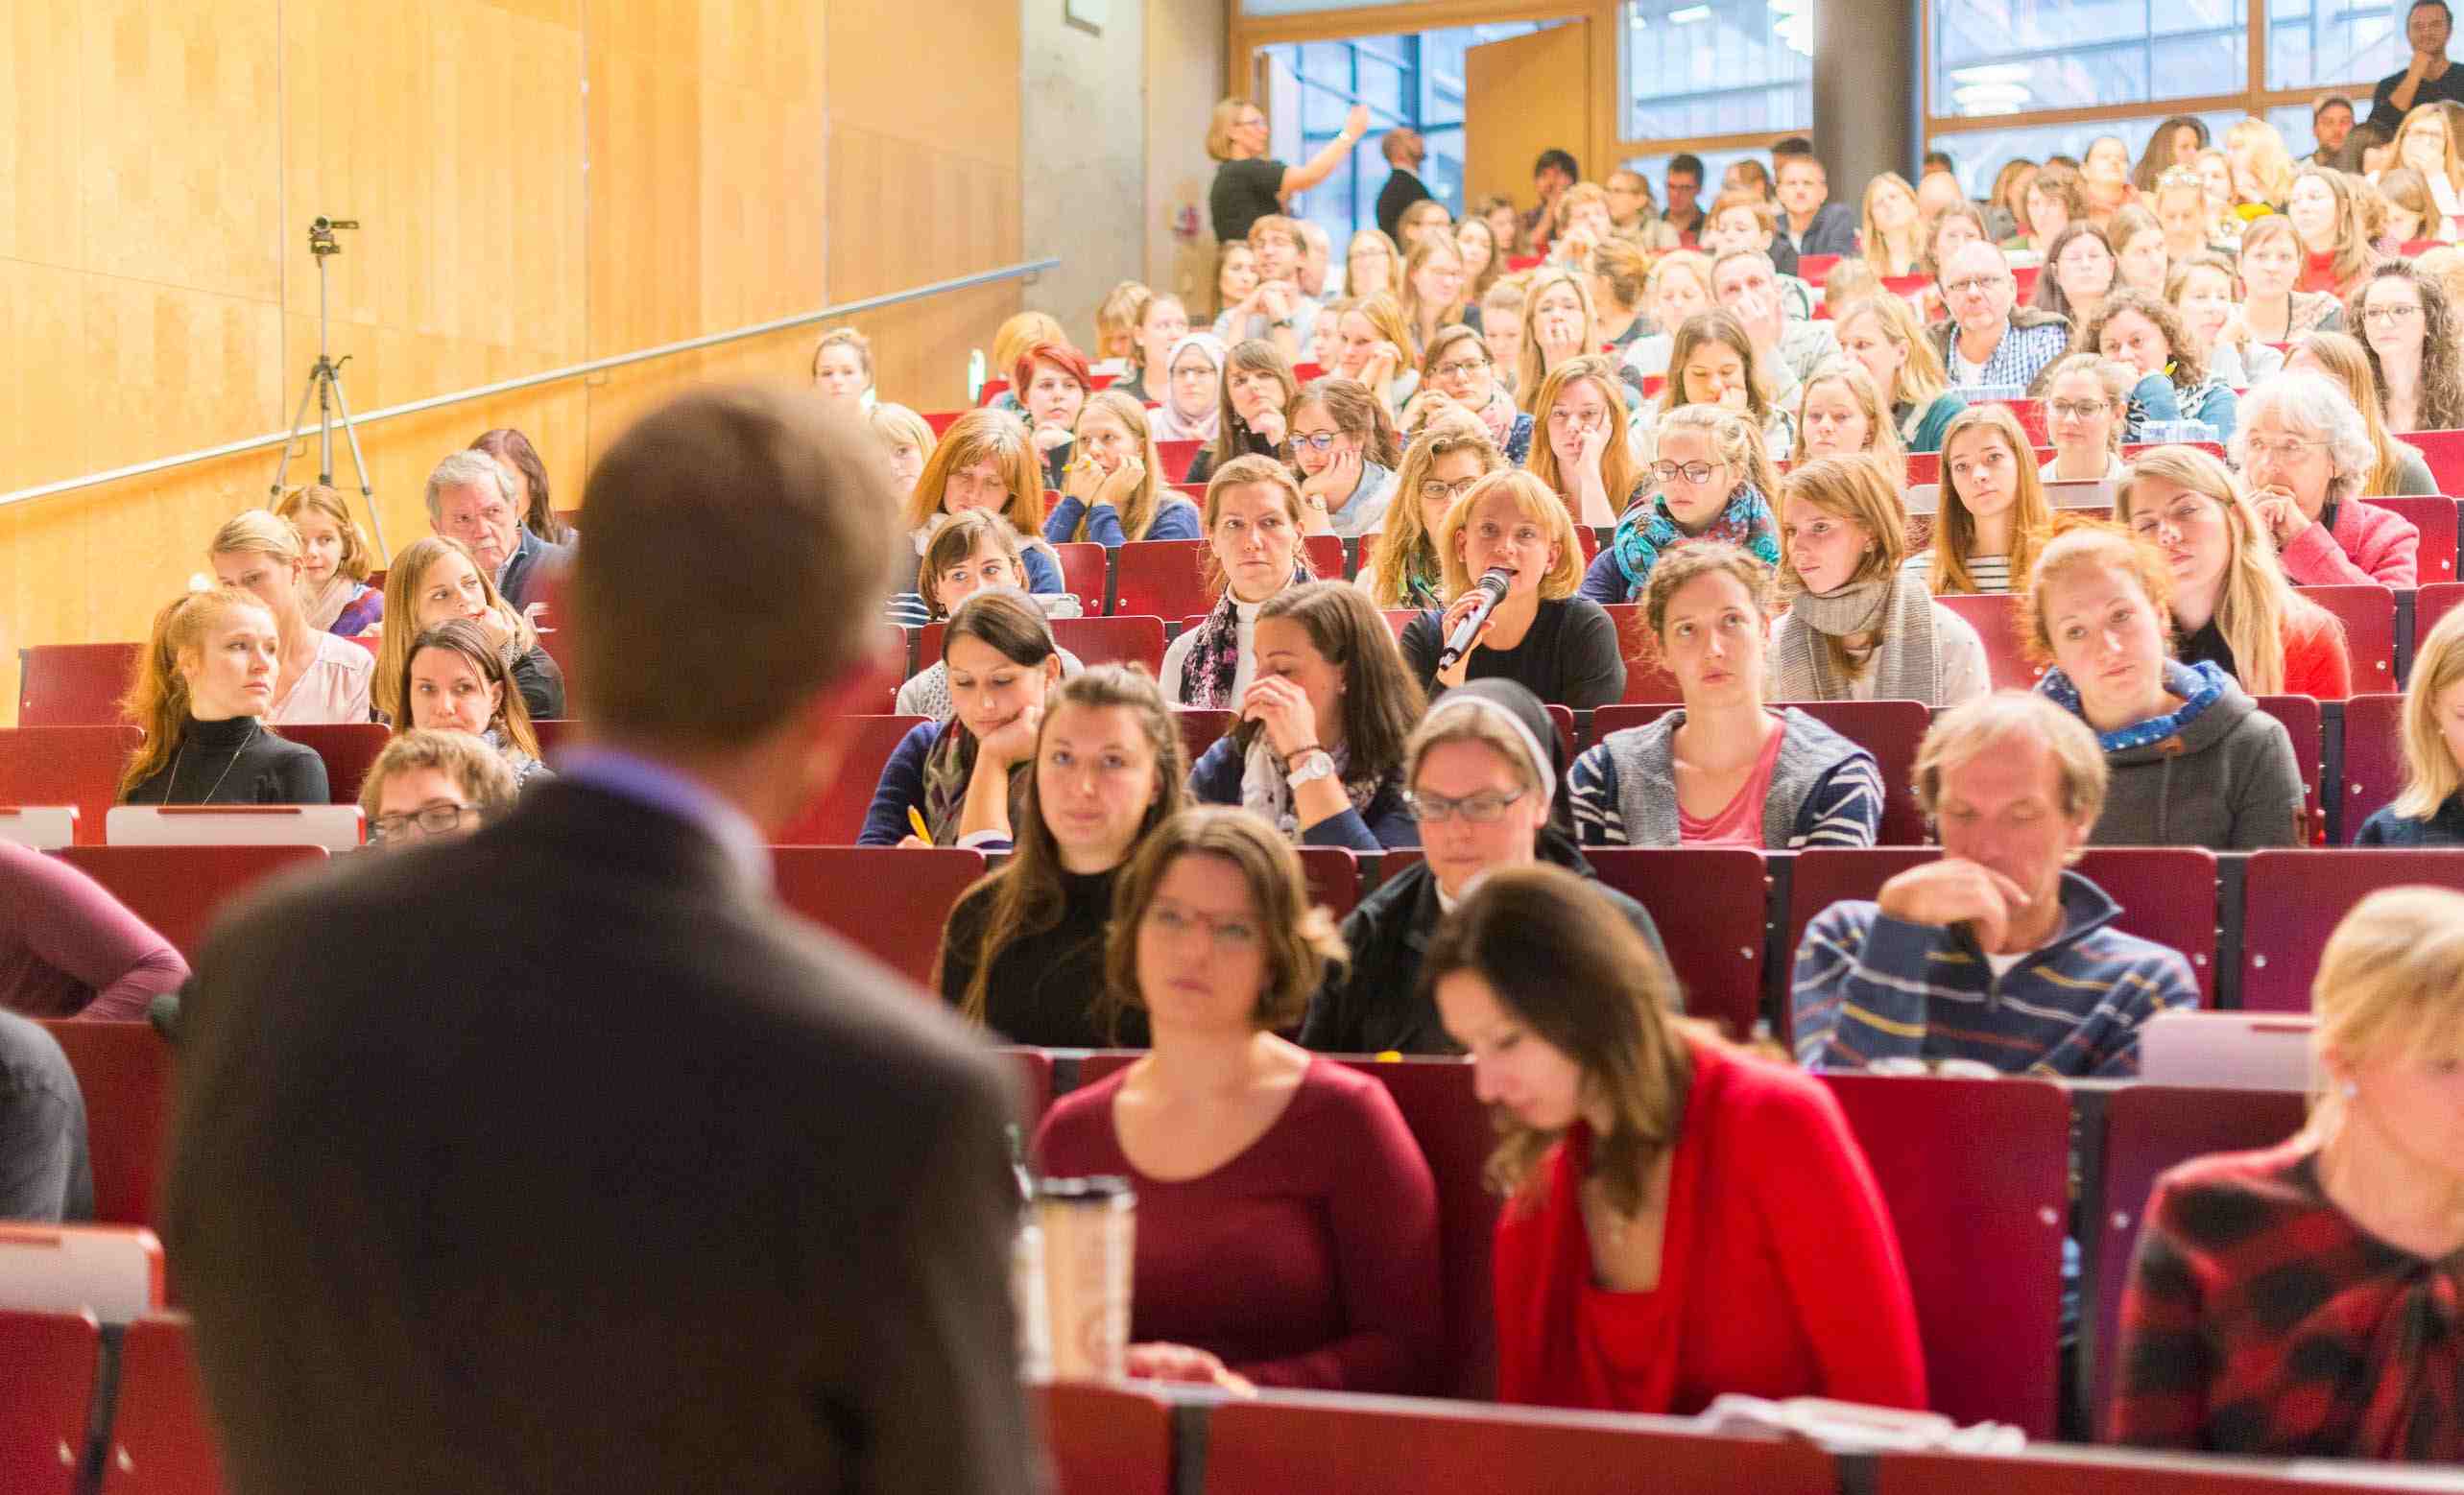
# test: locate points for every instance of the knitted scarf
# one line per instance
(948, 768)
(1647, 529)
(2199, 685)
(1266, 792)
(1213, 661)
(1899, 608)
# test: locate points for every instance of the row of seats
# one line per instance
(89, 1408)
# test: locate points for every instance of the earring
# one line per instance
(2351, 1089)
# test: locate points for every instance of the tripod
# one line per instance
(325, 384)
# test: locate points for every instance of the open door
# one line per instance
(1521, 97)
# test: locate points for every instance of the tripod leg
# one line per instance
(359, 464)
(298, 417)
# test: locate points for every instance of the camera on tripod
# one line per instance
(320, 234)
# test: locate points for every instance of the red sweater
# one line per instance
(1310, 1260)
(69, 949)
(2316, 662)
(1780, 1274)
(2368, 545)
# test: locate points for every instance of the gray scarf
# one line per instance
(1265, 791)
(1898, 607)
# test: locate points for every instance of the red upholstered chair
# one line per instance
(1923, 468)
(2031, 418)
(889, 902)
(1815, 268)
(1106, 1440)
(2368, 614)
(1334, 878)
(2148, 1128)
(2430, 603)
(1325, 556)
(836, 814)
(2434, 517)
(1035, 1085)
(2444, 452)
(161, 1440)
(1708, 904)
(179, 889)
(2301, 717)
(1160, 578)
(47, 1362)
(1888, 729)
(1096, 640)
(350, 750)
(556, 732)
(73, 684)
(1995, 616)
(1399, 619)
(1177, 456)
(940, 420)
(2293, 900)
(993, 389)
(1304, 373)
(1395, 1446)
(1086, 571)
(1976, 1174)
(2373, 757)
(66, 766)
(1200, 728)
(1646, 684)
(125, 1070)
(2058, 1470)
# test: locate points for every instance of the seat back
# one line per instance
(1993, 1156)
(1106, 1438)
(1334, 878)
(1708, 904)
(2301, 718)
(1160, 578)
(75, 765)
(2373, 757)
(888, 901)
(1095, 640)
(940, 420)
(334, 827)
(2429, 605)
(2293, 900)
(2434, 517)
(350, 750)
(2444, 453)
(1891, 730)
(124, 1071)
(2368, 614)
(74, 685)
(42, 828)
(112, 1271)
(2102, 1471)
(47, 1362)
(2149, 1128)
(1176, 457)
(1996, 618)
(1647, 683)
(835, 815)
(179, 889)
(161, 1440)
(1086, 574)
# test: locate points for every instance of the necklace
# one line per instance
(173, 782)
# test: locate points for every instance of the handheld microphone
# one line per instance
(1494, 582)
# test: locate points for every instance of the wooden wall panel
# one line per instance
(42, 115)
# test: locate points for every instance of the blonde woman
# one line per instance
(2261, 168)
(1619, 271)
(1883, 335)
(1117, 319)
(1432, 299)
(1371, 265)
(1558, 323)
(1893, 233)
(2206, 291)
(318, 676)
(1373, 345)
(200, 695)
(1582, 453)
(2336, 251)
(906, 438)
(1858, 627)
(1254, 517)
(1540, 635)
(2428, 142)
(1116, 491)
(1247, 184)
(843, 368)
(1677, 287)
(435, 580)
(1840, 413)
(2293, 1302)
(333, 563)
(1713, 481)
(2398, 466)
(1993, 515)
(1447, 460)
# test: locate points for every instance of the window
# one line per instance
(1717, 67)
(2013, 57)
(1977, 154)
(2311, 45)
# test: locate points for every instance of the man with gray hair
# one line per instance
(1995, 951)
(470, 499)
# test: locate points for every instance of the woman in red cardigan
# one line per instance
(1686, 1220)
(2306, 453)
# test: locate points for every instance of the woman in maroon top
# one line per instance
(1686, 1220)
(69, 949)
(1286, 1219)
(2308, 1300)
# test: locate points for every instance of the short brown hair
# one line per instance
(1381, 701)
(1694, 559)
(1299, 937)
(766, 492)
(476, 769)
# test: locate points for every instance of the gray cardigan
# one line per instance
(1825, 790)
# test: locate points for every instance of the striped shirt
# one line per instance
(1989, 573)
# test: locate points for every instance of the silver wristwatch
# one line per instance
(1315, 763)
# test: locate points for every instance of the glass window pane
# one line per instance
(2013, 57)
(1977, 154)
(1715, 67)
(2311, 44)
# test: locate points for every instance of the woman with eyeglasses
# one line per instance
(1448, 459)
(1539, 634)
(2087, 407)
(1713, 481)
(1882, 334)
(1248, 185)
(2410, 329)
(1345, 450)
(2304, 453)
(1486, 773)
(1459, 372)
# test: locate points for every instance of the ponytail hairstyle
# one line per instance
(1136, 511)
(158, 702)
(1955, 530)
(257, 531)
(1356, 413)
(464, 637)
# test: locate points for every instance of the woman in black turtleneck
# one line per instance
(202, 690)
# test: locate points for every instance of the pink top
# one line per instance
(69, 949)
(1739, 822)
(1310, 1260)
(333, 688)
(2368, 544)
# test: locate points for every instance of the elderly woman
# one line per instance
(2304, 452)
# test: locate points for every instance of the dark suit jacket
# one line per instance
(1402, 189)
(1833, 231)
(554, 1159)
(525, 577)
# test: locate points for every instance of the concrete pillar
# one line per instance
(1867, 104)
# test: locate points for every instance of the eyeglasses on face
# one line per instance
(1691, 471)
(2256, 447)
(1481, 809)
(1438, 488)
(1459, 368)
(431, 820)
(1315, 441)
(1974, 285)
(2079, 410)
(2382, 314)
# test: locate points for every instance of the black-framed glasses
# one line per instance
(1439, 488)
(1691, 471)
(432, 821)
(1482, 809)
(1459, 368)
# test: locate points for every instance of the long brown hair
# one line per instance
(157, 700)
(402, 585)
(1954, 531)
(462, 637)
(1381, 701)
(988, 434)
(1619, 473)
(1026, 895)
(2343, 358)
(1533, 372)
(515, 450)
(1250, 355)
(1356, 413)
(1563, 964)
(1299, 939)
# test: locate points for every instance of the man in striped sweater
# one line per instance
(1994, 952)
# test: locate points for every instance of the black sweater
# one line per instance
(541, 683)
(1568, 658)
(236, 762)
(1045, 989)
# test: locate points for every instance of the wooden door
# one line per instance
(1521, 97)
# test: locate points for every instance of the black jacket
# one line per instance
(1402, 189)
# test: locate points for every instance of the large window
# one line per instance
(2013, 57)
(2313, 42)
(1717, 67)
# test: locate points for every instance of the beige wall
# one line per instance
(728, 161)
(1185, 48)
(1085, 132)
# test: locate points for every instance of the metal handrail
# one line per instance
(1024, 269)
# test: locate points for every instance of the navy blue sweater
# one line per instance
(1215, 780)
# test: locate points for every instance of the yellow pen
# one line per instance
(916, 818)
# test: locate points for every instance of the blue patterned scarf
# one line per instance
(2199, 685)
(1646, 529)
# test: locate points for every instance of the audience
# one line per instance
(2141, 333)
(1501, 329)
(1892, 232)
(1286, 1219)
(2408, 327)
(1858, 625)
(906, 438)
(1716, 362)
(1448, 459)
(1539, 634)
(1117, 319)
(1012, 341)
(45, 1177)
(1023, 949)
(1459, 372)
(1991, 512)
(2105, 178)
(1486, 770)
(1881, 334)
(2299, 1301)
(1156, 325)
(522, 463)
(2396, 466)
(2204, 292)
(956, 780)
(1583, 456)
(334, 567)
(1254, 518)
(1345, 448)
(2078, 275)
(471, 500)
(2192, 760)
(1318, 750)
(1685, 1221)
(1115, 489)
(2306, 454)
(2087, 411)
(2140, 263)
(318, 676)
(1723, 768)
(975, 551)
(201, 688)
(2056, 198)
(455, 680)
(1236, 279)
(1371, 265)
(1483, 262)
(1252, 421)
(1988, 341)
(2015, 953)
(985, 461)
(70, 949)
(2261, 167)
(1713, 481)
(2429, 811)
(1558, 326)
(429, 785)
(434, 581)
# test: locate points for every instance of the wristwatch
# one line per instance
(1284, 322)
(1315, 763)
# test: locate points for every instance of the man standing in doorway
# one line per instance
(1405, 150)
(2429, 78)
(1810, 222)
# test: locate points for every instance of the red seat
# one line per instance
(836, 814)
(1200, 728)
(73, 684)
(2444, 452)
(889, 902)
(1334, 878)
(1304, 373)
(2167, 895)
(1086, 572)
(1923, 468)
(125, 1070)
(2096, 1471)
(1995, 616)
(47, 1362)
(1815, 268)
(1646, 684)
(1035, 1085)
(161, 1440)
(2025, 276)
(2368, 614)
(2374, 758)
(1978, 1177)
(1176, 457)
(66, 766)
(993, 389)
(1160, 578)
(1392, 1446)
(2429, 605)
(1106, 1440)
(2148, 1128)
(2301, 717)
(1098, 640)
(2434, 517)
(179, 889)
(2031, 418)
(350, 750)
(1327, 559)
(940, 420)
(1708, 903)
(2293, 900)
(1888, 729)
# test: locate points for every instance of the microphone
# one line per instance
(1494, 582)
